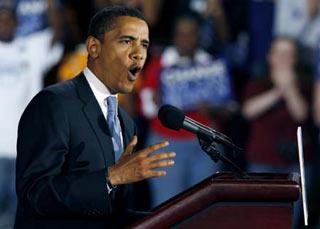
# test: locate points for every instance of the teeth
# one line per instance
(133, 72)
(132, 76)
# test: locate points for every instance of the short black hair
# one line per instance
(187, 16)
(104, 20)
(190, 16)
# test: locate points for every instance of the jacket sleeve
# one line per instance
(42, 151)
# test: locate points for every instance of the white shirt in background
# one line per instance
(292, 19)
(23, 63)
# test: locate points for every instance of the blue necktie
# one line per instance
(114, 126)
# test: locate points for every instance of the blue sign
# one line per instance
(189, 85)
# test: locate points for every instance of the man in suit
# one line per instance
(75, 157)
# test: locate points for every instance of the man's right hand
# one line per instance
(139, 166)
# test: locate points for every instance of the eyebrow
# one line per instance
(145, 41)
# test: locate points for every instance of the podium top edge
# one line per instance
(228, 176)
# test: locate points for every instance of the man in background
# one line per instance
(23, 64)
(188, 77)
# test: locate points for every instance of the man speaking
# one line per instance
(75, 158)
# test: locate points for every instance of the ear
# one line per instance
(93, 47)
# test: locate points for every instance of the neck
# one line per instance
(99, 75)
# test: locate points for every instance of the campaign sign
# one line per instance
(187, 86)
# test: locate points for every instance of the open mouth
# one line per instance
(134, 72)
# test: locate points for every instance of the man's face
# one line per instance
(7, 25)
(186, 37)
(122, 54)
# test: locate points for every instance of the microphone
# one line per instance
(173, 118)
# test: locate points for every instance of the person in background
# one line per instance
(189, 78)
(299, 19)
(214, 29)
(316, 104)
(274, 107)
(260, 24)
(23, 62)
(316, 118)
(37, 15)
(159, 15)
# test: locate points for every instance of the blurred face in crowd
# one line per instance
(7, 25)
(100, 4)
(282, 54)
(313, 8)
(186, 36)
(118, 59)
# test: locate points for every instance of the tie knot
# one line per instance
(112, 104)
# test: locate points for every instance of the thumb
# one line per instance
(131, 146)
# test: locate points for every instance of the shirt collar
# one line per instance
(100, 91)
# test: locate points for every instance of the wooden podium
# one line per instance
(264, 200)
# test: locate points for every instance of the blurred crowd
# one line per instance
(247, 68)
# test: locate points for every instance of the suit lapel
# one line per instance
(93, 113)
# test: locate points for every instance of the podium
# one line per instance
(264, 200)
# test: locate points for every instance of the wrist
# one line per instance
(110, 186)
(289, 91)
(277, 92)
(111, 177)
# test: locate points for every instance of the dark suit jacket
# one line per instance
(64, 149)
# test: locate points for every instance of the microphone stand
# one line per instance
(208, 144)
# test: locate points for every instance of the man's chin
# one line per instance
(126, 89)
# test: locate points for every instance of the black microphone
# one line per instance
(173, 118)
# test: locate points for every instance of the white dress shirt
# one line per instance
(101, 92)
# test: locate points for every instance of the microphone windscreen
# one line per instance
(171, 117)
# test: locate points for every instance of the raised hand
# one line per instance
(139, 166)
(284, 79)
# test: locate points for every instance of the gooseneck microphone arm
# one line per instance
(196, 127)
(209, 146)
(173, 118)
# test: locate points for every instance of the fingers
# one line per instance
(160, 156)
(140, 166)
(155, 147)
(156, 174)
(161, 164)
(158, 161)
(131, 146)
